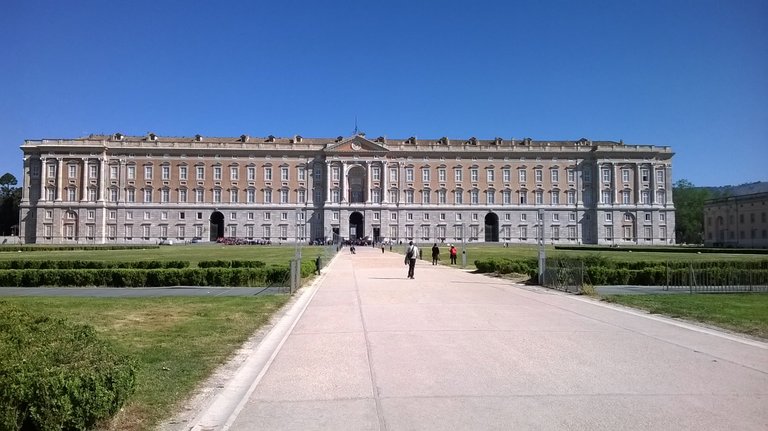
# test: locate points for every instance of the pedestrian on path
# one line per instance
(453, 254)
(410, 258)
(435, 254)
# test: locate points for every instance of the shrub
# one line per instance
(57, 375)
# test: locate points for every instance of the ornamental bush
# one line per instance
(57, 375)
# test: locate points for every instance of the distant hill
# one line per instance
(740, 190)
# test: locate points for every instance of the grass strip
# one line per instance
(741, 312)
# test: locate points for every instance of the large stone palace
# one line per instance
(144, 189)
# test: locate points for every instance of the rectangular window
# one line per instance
(490, 197)
(147, 172)
(376, 173)
(335, 196)
(267, 174)
(301, 173)
(660, 177)
(524, 232)
(572, 217)
(523, 197)
(163, 215)
(71, 171)
(474, 197)
(625, 196)
(606, 175)
(199, 195)
(662, 217)
(522, 175)
(234, 173)
(608, 217)
(233, 196)
(441, 175)
(645, 173)
(393, 174)
(425, 175)
(609, 232)
(409, 196)
(182, 173)
(301, 196)
(165, 172)
(409, 174)
(393, 216)
(183, 195)
(538, 175)
(490, 175)
(147, 196)
(458, 197)
(284, 174)
(93, 171)
(335, 173)
(458, 175)
(251, 196)
(51, 171)
(555, 197)
(625, 175)
(113, 172)
(474, 175)
(283, 196)
(200, 172)
(251, 173)
(506, 197)
(555, 174)
(441, 199)
(606, 196)
(267, 216)
(539, 197)
(571, 175)
(217, 173)
(165, 195)
(425, 196)
(506, 175)
(268, 196)
(571, 197)
(217, 195)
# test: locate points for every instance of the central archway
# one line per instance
(217, 226)
(356, 226)
(491, 227)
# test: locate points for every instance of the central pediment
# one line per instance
(355, 144)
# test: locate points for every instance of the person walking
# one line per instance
(435, 254)
(453, 254)
(411, 255)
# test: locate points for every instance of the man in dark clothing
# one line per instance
(435, 254)
(411, 254)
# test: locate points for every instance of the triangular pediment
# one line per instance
(355, 144)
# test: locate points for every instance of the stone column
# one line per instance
(309, 171)
(102, 177)
(328, 169)
(59, 178)
(84, 180)
(344, 183)
(43, 178)
(638, 183)
(615, 183)
(368, 181)
(383, 182)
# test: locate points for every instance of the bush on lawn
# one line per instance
(57, 375)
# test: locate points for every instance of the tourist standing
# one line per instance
(411, 255)
(453, 254)
(435, 254)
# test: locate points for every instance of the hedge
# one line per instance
(90, 264)
(36, 247)
(231, 264)
(57, 375)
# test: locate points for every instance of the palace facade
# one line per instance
(144, 189)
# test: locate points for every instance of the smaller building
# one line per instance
(737, 221)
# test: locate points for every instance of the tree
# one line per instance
(689, 211)
(10, 197)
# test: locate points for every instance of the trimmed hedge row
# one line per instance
(231, 264)
(118, 277)
(663, 249)
(90, 264)
(57, 375)
(35, 247)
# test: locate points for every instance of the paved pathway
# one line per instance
(366, 349)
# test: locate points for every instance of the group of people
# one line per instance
(413, 253)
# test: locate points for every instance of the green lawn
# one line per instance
(741, 312)
(194, 253)
(177, 342)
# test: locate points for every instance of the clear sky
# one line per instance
(692, 75)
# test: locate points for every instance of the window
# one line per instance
(301, 196)
(490, 197)
(441, 175)
(524, 232)
(425, 196)
(555, 174)
(572, 232)
(182, 215)
(377, 215)
(608, 217)
(555, 217)
(522, 176)
(284, 174)
(605, 196)
(625, 195)
(473, 175)
(233, 216)
(490, 175)
(506, 175)
(572, 217)
(441, 199)
(506, 197)
(147, 195)
(625, 175)
(539, 197)
(523, 217)
(425, 177)
(538, 175)
(458, 197)
(571, 197)
(199, 195)
(587, 175)
(93, 171)
(409, 196)
(393, 195)
(442, 216)
(200, 172)
(233, 173)
(268, 216)
(648, 217)
(661, 197)
(283, 196)
(523, 197)
(606, 175)
(183, 173)
(130, 195)
(91, 214)
(335, 173)
(555, 233)
(217, 173)
(163, 215)
(426, 216)
(555, 197)
(660, 176)
(393, 216)
(645, 174)
(92, 193)
(268, 196)
(458, 175)
(182, 195)
(393, 174)
(71, 171)
(409, 216)
(571, 175)
(51, 171)
(217, 195)
(165, 195)
(113, 172)
(165, 172)
(458, 216)
(251, 172)
(268, 174)
(645, 197)
(609, 232)
(233, 196)
(663, 233)
(335, 195)
(474, 197)
(147, 215)
(409, 174)
(627, 217)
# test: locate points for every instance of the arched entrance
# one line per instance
(217, 226)
(356, 226)
(491, 227)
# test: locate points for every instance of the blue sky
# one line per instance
(692, 75)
